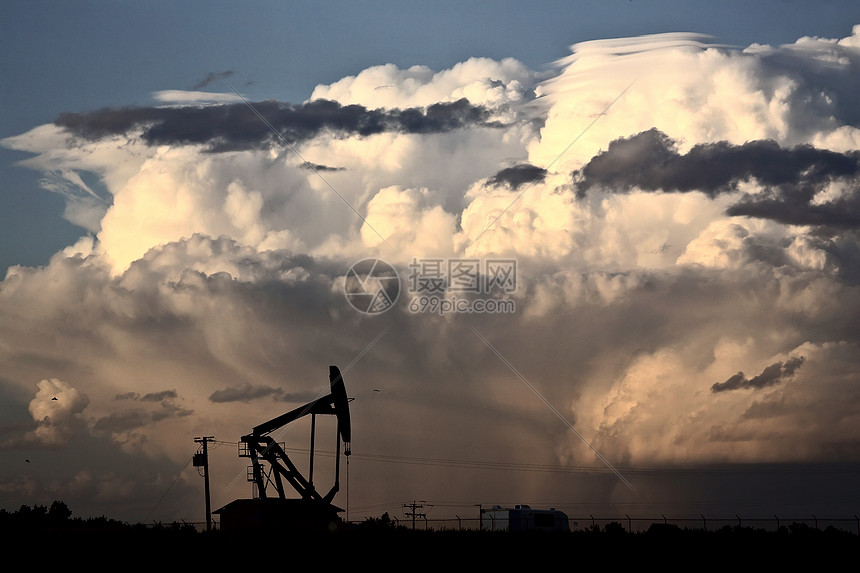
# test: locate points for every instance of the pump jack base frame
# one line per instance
(275, 515)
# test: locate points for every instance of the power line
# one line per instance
(167, 490)
(538, 467)
(413, 511)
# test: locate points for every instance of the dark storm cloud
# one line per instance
(213, 76)
(131, 419)
(247, 392)
(791, 176)
(793, 207)
(151, 397)
(773, 374)
(236, 126)
(159, 396)
(13, 435)
(518, 175)
(122, 421)
(170, 411)
(317, 167)
(650, 161)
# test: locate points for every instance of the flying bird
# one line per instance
(54, 398)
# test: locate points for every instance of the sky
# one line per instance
(598, 256)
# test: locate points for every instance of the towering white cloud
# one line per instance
(480, 80)
(55, 409)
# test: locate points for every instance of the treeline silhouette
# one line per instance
(50, 535)
(58, 518)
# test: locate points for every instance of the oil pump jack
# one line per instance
(272, 509)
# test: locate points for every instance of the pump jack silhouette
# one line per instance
(272, 509)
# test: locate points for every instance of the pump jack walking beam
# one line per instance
(261, 446)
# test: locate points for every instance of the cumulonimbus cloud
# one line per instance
(708, 223)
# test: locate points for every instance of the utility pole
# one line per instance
(415, 505)
(202, 460)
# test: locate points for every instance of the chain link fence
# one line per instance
(633, 524)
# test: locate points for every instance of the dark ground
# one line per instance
(50, 537)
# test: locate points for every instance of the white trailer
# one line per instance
(523, 518)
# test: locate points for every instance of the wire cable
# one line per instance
(167, 490)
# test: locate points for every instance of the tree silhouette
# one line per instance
(59, 511)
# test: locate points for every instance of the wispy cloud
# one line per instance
(212, 77)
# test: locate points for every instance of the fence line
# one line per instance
(641, 524)
(630, 524)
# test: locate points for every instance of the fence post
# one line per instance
(705, 521)
(777, 522)
(629, 528)
(459, 523)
